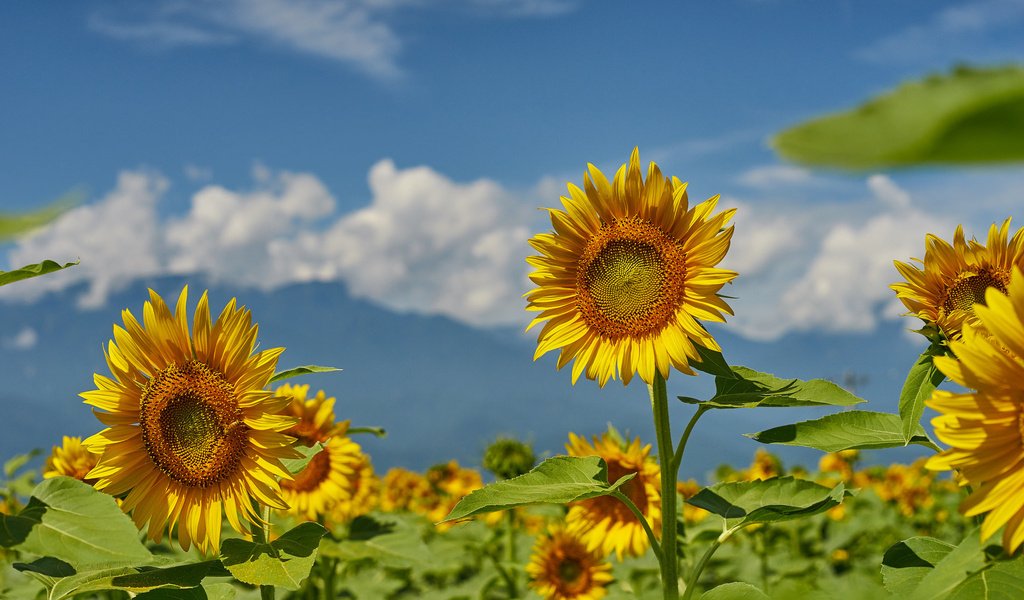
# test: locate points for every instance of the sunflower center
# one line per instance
(970, 290)
(569, 570)
(192, 425)
(312, 476)
(630, 279)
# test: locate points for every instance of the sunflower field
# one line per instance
(213, 475)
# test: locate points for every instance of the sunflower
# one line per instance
(316, 414)
(627, 273)
(70, 459)
(191, 434)
(605, 524)
(953, 278)
(364, 488)
(985, 426)
(326, 479)
(563, 568)
(403, 489)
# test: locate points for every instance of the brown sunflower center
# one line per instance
(192, 425)
(312, 476)
(970, 290)
(569, 570)
(630, 279)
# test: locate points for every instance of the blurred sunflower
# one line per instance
(315, 415)
(192, 436)
(605, 524)
(984, 426)
(70, 459)
(627, 273)
(953, 278)
(325, 481)
(563, 568)
(403, 489)
(364, 487)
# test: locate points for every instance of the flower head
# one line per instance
(70, 459)
(627, 274)
(984, 427)
(325, 481)
(562, 567)
(952, 279)
(191, 434)
(508, 458)
(315, 415)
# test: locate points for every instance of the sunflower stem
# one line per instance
(666, 458)
(261, 535)
(691, 581)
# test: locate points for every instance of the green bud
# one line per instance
(508, 458)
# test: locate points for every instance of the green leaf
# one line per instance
(765, 501)
(557, 480)
(922, 379)
(387, 542)
(29, 271)
(906, 563)
(70, 520)
(711, 362)
(12, 465)
(303, 370)
(1004, 581)
(969, 116)
(747, 388)
(13, 224)
(210, 591)
(952, 570)
(285, 562)
(734, 591)
(296, 465)
(855, 429)
(130, 579)
(46, 570)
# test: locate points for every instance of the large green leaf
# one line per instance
(969, 116)
(303, 370)
(765, 501)
(922, 379)
(70, 520)
(855, 429)
(747, 388)
(712, 362)
(29, 271)
(390, 543)
(906, 563)
(952, 570)
(1003, 581)
(734, 591)
(557, 480)
(129, 579)
(285, 562)
(12, 224)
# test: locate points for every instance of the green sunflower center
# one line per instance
(313, 475)
(192, 425)
(630, 279)
(970, 290)
(569, 570)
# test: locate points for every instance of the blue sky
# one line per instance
(402, 146)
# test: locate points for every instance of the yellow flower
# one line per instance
(563, 568)
(192, 436)
(70, 459)
(451, 484)
(984, 425)
(316, 415)
(627, 273)
(953, 278)
(765, 466)
(325, 481)
(365, 490)
(403, 489)
(605, 524)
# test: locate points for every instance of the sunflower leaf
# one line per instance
(303, 370)
(130, 579)
(29, 271)
(72, 521)
(951, 570)
(747, 388)
(764, 501)
(736, 590)
(557, 480)
(391, 544)
(922, 379)
(14, 224)
(295, 465)
(851, 430)
(906, 563)
(285, 562)
(969, 116)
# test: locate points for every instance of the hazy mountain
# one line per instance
(441, 389)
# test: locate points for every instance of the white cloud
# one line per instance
(355, 32)
(887, 192)
(198, 174)
(771, 176)
(25, 339)
(953, 33)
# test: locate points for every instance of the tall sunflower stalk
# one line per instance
(624, 281)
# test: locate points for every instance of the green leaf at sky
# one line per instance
(303, 370)
(29, 271)
(747, 388)
(855, 429)
(557, 480)
(764, 501)
(922, 379)
(284, 563)
(12, 224)
(969, 116)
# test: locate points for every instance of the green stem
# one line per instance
(691, 581)
(511, 524)
(762, 550)
(329, 566)
(643, 521)
(666, 457)
(677, 460)
(261, 535)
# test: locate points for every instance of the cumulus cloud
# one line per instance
(25, 339)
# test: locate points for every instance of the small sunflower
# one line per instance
(403, 490)
(605, 523)
(364, 487)
(192, 436)
(953, 278)
(563, 568)
(325, 481)
(70, 459)
(627, 273)
(316, 414)
(985, 426)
